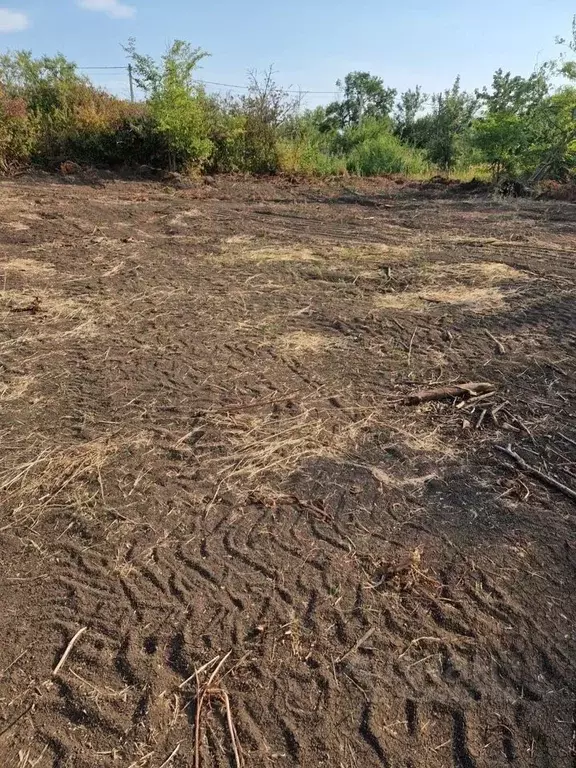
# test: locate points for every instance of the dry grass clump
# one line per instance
(239, 239)
(519, 241)
(250, 448)
(475, 286)
(47, 303)
(279, 254)
(61, 473)
(368, 251)
(479, 271)
(477, 300)
(26, 266)
(15, 389)
(43, 315)
(303, 342)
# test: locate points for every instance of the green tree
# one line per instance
(565, 64)
(514, 95)
(364, 97)
(503, 140)
(410, 103)
(45, 84)
(247, 130)
(177, 104)
(552, 152)
(443, 131)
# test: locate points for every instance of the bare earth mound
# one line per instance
(227, 539)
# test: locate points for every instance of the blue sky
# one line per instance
(310, 42)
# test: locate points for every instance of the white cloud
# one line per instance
(112, 8)
(13, 21)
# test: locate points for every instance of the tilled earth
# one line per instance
(211, 472)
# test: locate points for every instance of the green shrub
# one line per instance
(178, 105)
(18, 133)
(309, 159)
(385, 153)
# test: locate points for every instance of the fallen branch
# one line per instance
(470, 389)
(546, 479)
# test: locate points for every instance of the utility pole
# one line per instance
(131, 79)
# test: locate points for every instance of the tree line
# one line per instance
(518, 127)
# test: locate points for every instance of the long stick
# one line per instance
(551, 481)
(16, 719)
(501, 347)
(231, 729)
(69, 647)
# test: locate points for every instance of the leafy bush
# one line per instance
(17, 133)
(383, 154)
(308, 158)
(503, 140)
(178, 106)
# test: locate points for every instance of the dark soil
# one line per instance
(206, 451)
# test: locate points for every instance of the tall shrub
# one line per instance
(177, 104)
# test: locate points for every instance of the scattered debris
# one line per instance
(212, 690)
(405, 574)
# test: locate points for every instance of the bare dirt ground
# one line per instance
(209, 470)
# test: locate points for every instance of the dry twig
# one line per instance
(500, 346)
(170, 756)
(546, 479)
(69, 647)
(210, 690)
(357, 645)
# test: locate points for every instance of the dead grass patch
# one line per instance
(519, 241)
(482, 271)
(61, 474)
(375, 251)
(280, 254)
(15, 389)
(183, 218)
(389, 481)
(53, 305)
(17, 226)
(27, 267)
(239, 239)
(253, 448)
(430, 443)
(303, 342)
(85, 330)
(476, 300)
(475, 286)
(257, 452)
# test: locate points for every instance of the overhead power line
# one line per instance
(299, 91)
